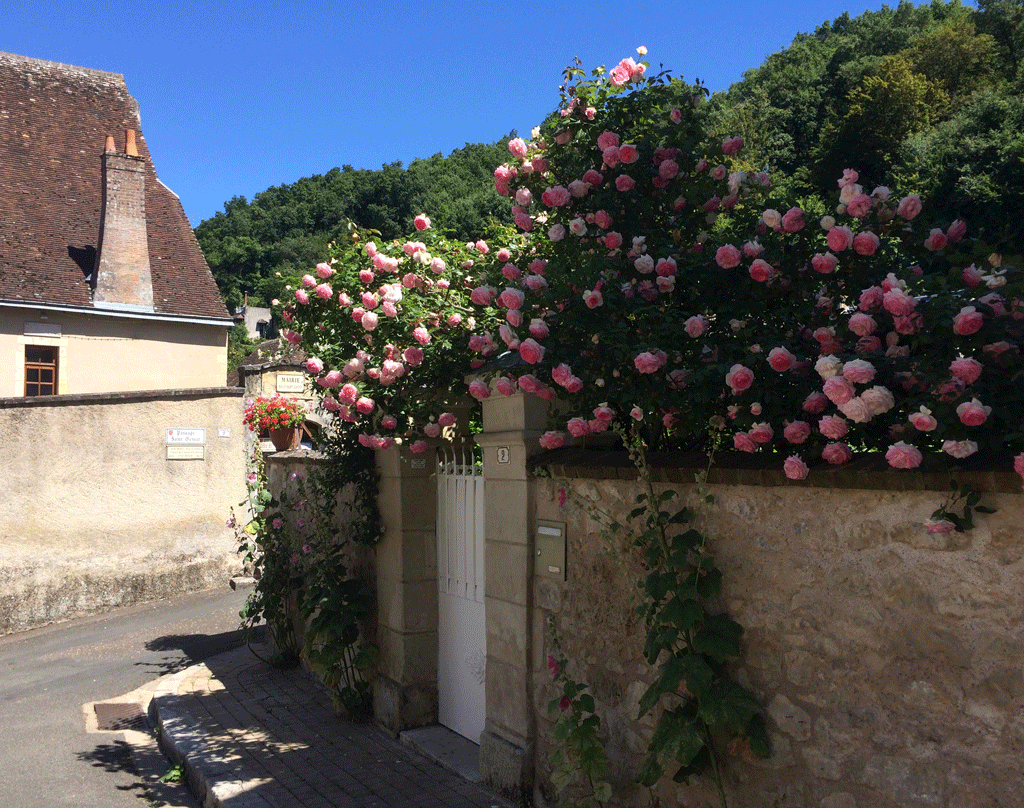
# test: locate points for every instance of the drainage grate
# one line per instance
(115, 716)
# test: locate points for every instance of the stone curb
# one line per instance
(212, 773)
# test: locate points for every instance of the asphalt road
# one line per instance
(47, 676)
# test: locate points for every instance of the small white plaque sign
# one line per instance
(290, 383)
(191, 437)
(503, 454)
(180, 452)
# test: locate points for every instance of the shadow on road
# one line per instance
(182, 650)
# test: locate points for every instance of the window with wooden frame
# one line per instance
(40, 370)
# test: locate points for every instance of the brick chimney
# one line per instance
(122, 277)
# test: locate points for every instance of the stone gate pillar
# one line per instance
(405, 690)
(511, 429)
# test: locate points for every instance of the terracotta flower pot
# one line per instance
(285, 438)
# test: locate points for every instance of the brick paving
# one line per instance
(253, 736)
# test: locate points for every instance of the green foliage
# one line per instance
(577, 728)
(286, 229)
(957, 512)
(239, 345)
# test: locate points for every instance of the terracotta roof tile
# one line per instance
(54, 121)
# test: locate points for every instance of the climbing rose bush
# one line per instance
(387, 328)
(663, 284)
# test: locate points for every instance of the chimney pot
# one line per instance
(109, 145)
(129, 143)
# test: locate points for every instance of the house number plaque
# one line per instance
(503, 454)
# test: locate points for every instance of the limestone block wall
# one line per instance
(96, 514)
(890, 662)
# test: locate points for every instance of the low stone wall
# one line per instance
(889, 660)
(98, 513)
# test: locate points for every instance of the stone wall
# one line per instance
(890, 662)
(98, 510)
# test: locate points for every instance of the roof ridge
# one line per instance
(16, 57)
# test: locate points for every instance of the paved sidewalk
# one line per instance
(252, 736)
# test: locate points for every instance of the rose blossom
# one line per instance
(624, 183)
(866, 243)
(593, 298)
(696, 325)
(862, 324)
(936, 240)
(761, 271)
(648, 362)
(966, 370)
(825, 264)
(838, 390)
(743, 442)
(552, 440)
(518, 147)
(839, 238)
(761, 432)
(973, 413)
(939, 526)
(858, 371)
(739, 378)
(815, 403)
(878, 399)
(827, 367)
(793, 220)
(897, 302)
(923, 419)
(797, 432)
(856, 409)
(781, 359)
(479, 390)
(903, 456)
(968, 321)
(795, 468)
(959, 448)
(833, 427)
(836, 454)
(909, 206)
(531, 351)
(772, 218)
(314, 365)
(578, 427)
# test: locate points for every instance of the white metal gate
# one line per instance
(461, 629)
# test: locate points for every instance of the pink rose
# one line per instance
(552, 440)
(761, 271)
(797, 432)
(795, 468)
(479, 390)
(859, 206)
(511, 298)
(538, 328)
(301, 296)
(825, 264)
(903, 456)
(772, 218)
(696, 326)
(531, 351)
(556, 232)
(761, 432)
(413, 356)
(732, 145)
(505, 386)
(866, 243)
(923, 420)
(898, 302)
(593, 299)
(939, 526)
(727, 256)
(815, 403)
(518, 147)
(839, 238)
(968, 321)
(314, 365)
(836, 454)
(365, 405)
(578, 427)
(833, 427)
(936, 240)
(743, 442)
(878, 399)
(628, 153)
(862, 325)
(957, 230)
(781, 359)
(973, 413)
(909, 206)
(648, 362)
(966, 370)
(856, 410)
(858, 371)
(959, 448)
(793, 220)
(624, 183)
(421, 222)
(971, 276)
(838, 390)
(739, 378)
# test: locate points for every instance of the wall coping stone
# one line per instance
(867, 472)
(120, 397)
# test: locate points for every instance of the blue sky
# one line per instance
(240, 96)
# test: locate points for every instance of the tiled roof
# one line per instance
(54, 120)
